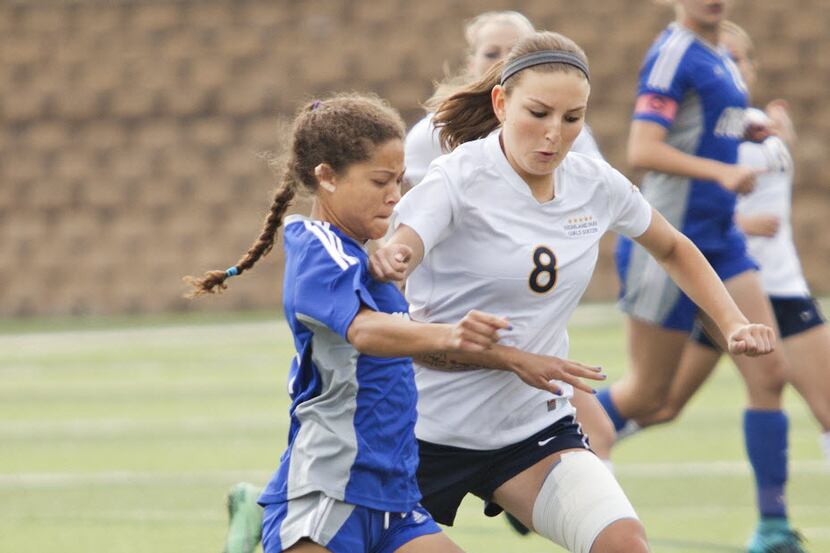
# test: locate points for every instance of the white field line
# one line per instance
(133, 478)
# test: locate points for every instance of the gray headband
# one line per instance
(540, 58)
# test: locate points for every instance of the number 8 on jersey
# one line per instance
(543, 276)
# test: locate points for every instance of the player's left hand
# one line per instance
(752, 340)
(390, 262)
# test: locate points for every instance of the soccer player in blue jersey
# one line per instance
(347, 483)
(688, 124)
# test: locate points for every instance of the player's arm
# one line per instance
(695, 276)
(385, 335)
(398, 257)
(648, 150)
(535, 370)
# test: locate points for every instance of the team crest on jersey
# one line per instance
(583, 225)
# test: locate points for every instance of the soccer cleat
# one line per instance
(244, 519)
(776, 536)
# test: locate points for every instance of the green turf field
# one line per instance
(123, 436)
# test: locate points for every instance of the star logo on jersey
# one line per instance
(582, 225)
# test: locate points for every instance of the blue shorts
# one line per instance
(648, 293)
(340, 527)
(793, 315)
(446, 474)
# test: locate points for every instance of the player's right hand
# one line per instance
(477, 331)
(390, 262)
(752, 340)
(740, 179)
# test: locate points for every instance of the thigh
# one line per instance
(306, 546)
(432, 543)
(654, 354)
(572, 499)
(518, 495)
(765, 374)
(808, 368)
(595, 422)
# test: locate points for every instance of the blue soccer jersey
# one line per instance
(695, 91)
(352, 415)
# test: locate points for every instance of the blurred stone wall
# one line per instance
(132, 130)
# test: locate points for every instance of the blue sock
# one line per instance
(765, 434)
(604, 397)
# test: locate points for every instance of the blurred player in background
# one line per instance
(512, 220)
(765, 216)
(346, 483)
(689, 121)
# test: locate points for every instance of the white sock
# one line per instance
(825, 445)
(631, 427)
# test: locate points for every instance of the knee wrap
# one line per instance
(579, 498)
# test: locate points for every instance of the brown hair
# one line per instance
(339, 131)
(472, 28)
(468, 113)
(732, 28)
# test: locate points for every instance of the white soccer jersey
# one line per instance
(490, 245)
(781, 273)
(423, 146)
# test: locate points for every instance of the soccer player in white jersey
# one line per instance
(512, 221)
(489, 36)
(346, 483)
(764, 215)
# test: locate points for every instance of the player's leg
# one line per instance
(654, 354)
(244, 519)
(430, 543)
(572, 499)
(414, 532)
(595, 423)
(765, 423)
(699, 359)
(306, 546)
(807, 345)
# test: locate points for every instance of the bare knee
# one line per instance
(622, 536)
(665, 414)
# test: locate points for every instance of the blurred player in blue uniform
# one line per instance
(689, 121)
(764, 215)
(347, 483)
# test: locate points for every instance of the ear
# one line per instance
(498, 98)
(325, 177)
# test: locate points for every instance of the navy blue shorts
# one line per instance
(340, 527)
(446, 474)
(794, 316)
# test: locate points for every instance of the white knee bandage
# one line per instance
(579, 498)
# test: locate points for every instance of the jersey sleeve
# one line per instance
(663, 83)
(329, 287)
(630, 212)
(428, 208)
